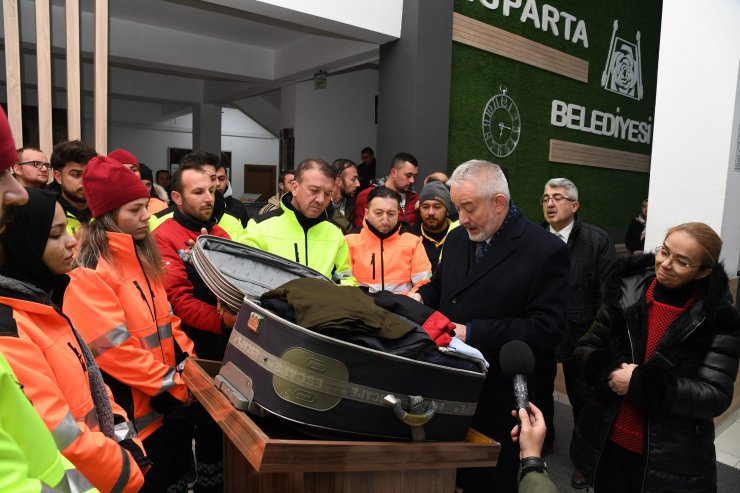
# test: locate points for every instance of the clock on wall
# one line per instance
(502, 125)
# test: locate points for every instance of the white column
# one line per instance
(695, 170)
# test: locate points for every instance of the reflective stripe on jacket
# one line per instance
(48, 362)
(126, 320)
(322, 247)
(398, 263)
(30, 459)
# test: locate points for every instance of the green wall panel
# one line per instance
(609, 198)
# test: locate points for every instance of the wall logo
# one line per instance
(502, 125)
(623, 70)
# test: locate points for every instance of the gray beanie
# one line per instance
(435, 190)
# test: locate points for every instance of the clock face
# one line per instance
(502, 125)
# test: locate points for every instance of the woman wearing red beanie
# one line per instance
(118, 302)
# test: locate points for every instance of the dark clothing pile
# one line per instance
(350, 315)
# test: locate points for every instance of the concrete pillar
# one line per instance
(695, 170)
(207, 127)
(414, 87)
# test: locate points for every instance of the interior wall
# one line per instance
(696, 151)
(248, 142)
(336, 122)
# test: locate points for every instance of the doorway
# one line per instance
(260, 181)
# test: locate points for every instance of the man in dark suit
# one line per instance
(501, 278)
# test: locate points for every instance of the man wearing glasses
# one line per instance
(592, 255)
(32, 168)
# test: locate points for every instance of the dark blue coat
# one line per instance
(517, 291)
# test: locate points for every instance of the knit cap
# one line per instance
(435, 190)
(124, 157)
(108, 185)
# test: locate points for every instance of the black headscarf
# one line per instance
(24, 242)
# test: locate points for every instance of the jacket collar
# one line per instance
(286, 203)
(631, 276)
(370, 230)
(505, 245)
(123, 248)
(82, 215)
(24, 291)
(192, 224)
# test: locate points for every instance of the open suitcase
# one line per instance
(274, 366)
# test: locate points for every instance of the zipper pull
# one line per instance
(79, 356)
(297, 258)
(372, 262)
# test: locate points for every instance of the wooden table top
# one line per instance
(270, 454)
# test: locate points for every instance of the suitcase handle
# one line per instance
(411, 419)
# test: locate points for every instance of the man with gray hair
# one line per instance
(501, 278)
(592, 255)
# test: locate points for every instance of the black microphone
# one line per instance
(517, 361)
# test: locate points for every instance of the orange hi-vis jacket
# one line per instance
(128, 324)
(398, 263)
(43, 352)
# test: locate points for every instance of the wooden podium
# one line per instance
(256, 462)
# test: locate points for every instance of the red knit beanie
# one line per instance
(124, 157)
(109, 184)
(8, 154)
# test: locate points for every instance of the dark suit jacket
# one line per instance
(517, 291)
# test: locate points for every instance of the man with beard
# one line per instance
(435, 223)
(300, 230)
(404, 169)
(203, 318)
(32, 168)
(501, 278)
(210, 163)
(193, 194)
(235, 216)
(342, 207)
(383, 258)
(69, 160)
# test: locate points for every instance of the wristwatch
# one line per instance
(530, 464)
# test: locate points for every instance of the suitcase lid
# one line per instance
(233, 271)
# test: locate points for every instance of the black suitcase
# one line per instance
(274, 366)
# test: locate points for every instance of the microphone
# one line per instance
(517, 361)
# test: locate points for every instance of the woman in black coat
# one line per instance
(662, 357)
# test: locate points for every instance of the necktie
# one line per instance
(480, 250)
(561, 237)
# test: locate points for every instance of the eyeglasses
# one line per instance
(662, 253)
(37, 164)
(556, 197)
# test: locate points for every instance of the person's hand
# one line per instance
(619, 379)
(228, 318)
(415, 296)
(531, 436)
(461, 331)
(191, 242)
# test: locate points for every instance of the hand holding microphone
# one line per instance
(517, 361)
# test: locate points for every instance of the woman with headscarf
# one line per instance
(118, 302)
(48, 356)
(662, 356)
